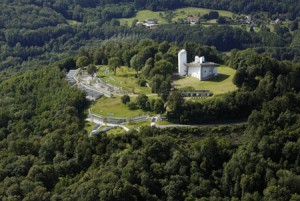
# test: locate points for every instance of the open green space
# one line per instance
(138, 124)
(164, 122)
(88, 126)
(184, 12)
(180, 13)
(73, 22)
(217, 85)
(113, 107)
(125, 78)
(116, 131)
(143, 15)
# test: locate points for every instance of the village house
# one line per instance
(192, 19)
(150, 24)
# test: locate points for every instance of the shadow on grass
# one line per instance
(220, 78)
(176, 77)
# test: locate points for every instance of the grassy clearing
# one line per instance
(125, 78)
(138, 125)
(73, 22)
(143, 15)
(178, 13)
(113, 107)
(184, 12)
(88, 126)
(219, 85)
(163, 122)
(116, 131)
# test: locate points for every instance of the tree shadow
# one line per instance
(176, 77)
(221, 77)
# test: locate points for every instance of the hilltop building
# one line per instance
(199, 68)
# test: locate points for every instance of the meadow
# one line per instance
(217, 85)
(180, 13)
(125, 78)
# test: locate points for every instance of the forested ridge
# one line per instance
(259, 77)
(46, 154)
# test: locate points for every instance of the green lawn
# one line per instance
(116, 131)
(219, 85)
(184, 12)
(125, 78)
(113, 107)
(88, 126)
(164, 122)
(178, 13)
(138, 124)
(73, 22)
(143, 15)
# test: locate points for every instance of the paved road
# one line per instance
(201, 125)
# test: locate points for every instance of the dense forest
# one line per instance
(46, 154)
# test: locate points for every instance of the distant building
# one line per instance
(150, 24)
(192, 19)
(199, 68)
(277, 21)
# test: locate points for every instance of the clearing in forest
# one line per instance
(177, 14)
(125, 77)
(113, 107)
(217, 85)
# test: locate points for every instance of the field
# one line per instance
(219, 85)
(125, 78)
(143, 15)
(177, 14)
(113, 107)
(116, 131)
(184, 12)
(138, 125)
(88, 126)
(73, 22)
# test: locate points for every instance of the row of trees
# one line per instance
(143, 102)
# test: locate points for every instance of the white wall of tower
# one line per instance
(182, 60)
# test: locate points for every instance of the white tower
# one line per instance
(182, 60)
